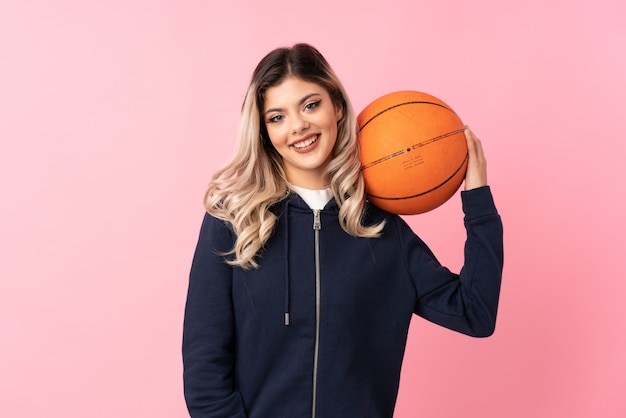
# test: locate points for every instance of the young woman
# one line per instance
(301, 293)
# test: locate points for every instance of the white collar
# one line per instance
(316, 199)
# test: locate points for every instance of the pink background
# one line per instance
(113, 115)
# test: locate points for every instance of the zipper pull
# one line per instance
(317, 222)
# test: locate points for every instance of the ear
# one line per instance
(339, 111)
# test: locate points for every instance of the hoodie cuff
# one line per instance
(478, 202)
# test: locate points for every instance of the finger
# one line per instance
(476, 175)
(474, 146)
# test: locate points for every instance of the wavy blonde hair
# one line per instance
(243, 191)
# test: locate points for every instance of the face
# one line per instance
(301, 121)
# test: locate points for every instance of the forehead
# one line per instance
(291, 91)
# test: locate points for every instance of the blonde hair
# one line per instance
(244, 190)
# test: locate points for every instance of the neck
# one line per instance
(312, 181)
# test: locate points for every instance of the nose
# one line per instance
(299, 124)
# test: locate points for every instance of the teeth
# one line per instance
(306, 143)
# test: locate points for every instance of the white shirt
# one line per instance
(316, 199)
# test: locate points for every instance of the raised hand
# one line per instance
(476, 175)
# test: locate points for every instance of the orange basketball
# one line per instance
(413, 152)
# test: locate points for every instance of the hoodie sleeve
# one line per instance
(209, 330)
(465, 302)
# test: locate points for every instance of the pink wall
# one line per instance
(113, 114)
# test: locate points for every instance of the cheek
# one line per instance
(278, 145)
(335, 136)
(334, 131)
(275, 136)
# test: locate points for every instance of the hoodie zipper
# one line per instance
(317, 225)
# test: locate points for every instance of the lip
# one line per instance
(308, 147)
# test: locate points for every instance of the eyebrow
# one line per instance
(300, 103)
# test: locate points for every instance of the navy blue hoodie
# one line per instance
(319, 330)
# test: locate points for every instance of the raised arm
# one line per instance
(466, 302)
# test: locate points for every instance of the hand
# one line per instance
(476, 175)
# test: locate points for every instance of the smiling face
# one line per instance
(301, 122)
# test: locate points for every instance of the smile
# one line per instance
(307, 142)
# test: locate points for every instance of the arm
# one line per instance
(209, 329)
(467, 302)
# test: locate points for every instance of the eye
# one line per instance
(275, 119)
(312, 105)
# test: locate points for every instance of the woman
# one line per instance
(300, 292)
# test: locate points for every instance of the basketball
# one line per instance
(413, 152)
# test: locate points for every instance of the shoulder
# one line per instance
(374, 215)
(216, 232)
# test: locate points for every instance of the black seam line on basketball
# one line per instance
(427, 191)
(414, 146)
(402, 104)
